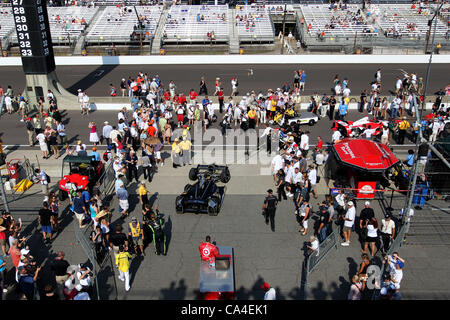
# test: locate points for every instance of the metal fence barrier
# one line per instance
(100, 264)
(313, 260)
(107, 180)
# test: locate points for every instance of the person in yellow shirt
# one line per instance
(176, 153)
(185, 146)
(137, 235)
(252, 118)
(123, 264)
(142, 191)
(402, 128)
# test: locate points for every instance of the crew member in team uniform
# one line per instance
(269, 208)
(156, 225)
(208, 250)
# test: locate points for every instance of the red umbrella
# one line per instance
(365, 155)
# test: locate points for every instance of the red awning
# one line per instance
(365, 155)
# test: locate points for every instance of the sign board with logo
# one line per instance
(366, 190)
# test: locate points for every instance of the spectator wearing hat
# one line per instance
(269, 208)
(186, 146)
(79, 208)
(176, 153)
(324, 221)
(106, 133)
(137, 235)
(84, 276)
(349, 221)
(270, 293)
(366, 214)
(94, 154)
(396, 265)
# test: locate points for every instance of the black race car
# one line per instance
(204, 196)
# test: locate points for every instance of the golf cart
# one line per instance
(79, 172)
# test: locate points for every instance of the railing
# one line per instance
(313, 260)
(107, 180)
(99, 264)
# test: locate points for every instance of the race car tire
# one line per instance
(311, 122)
(62, 195)
(193, 174)
(178, 208)
(214, 211)
(225, 176)
(186, 187)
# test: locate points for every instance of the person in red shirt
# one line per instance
(182, 98)
(151, 130)
(167, 95)
(208, 250)
(193, 96)
(221, 97)
(320, 143)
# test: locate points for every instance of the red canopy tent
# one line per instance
(365, 155)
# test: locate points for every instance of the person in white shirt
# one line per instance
(336, 136)
(312, 177)
(314, 245)
(289, 170)
(385, 134)
(349, 221)
(270, 292)
(233, 86)
(86, 104)
(277, 164)
(408, 220)
(346, 92)
(42, 144)
(435, 128)
(387, 232)
(80, 99)
(396, 265)
(304, 143)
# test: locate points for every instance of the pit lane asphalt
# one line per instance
(96, 79)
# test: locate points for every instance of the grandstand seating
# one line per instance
(404, 21)
(254, 24)
(65, 21)
(336, 22)
(192, 24)
(6, 22)
(117, 24)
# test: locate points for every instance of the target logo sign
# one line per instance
(206, 252)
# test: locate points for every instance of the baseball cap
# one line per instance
(367, 203)
(350, 203)
(265, 286)
(106, 122)
(134, 219)
(270, 191)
